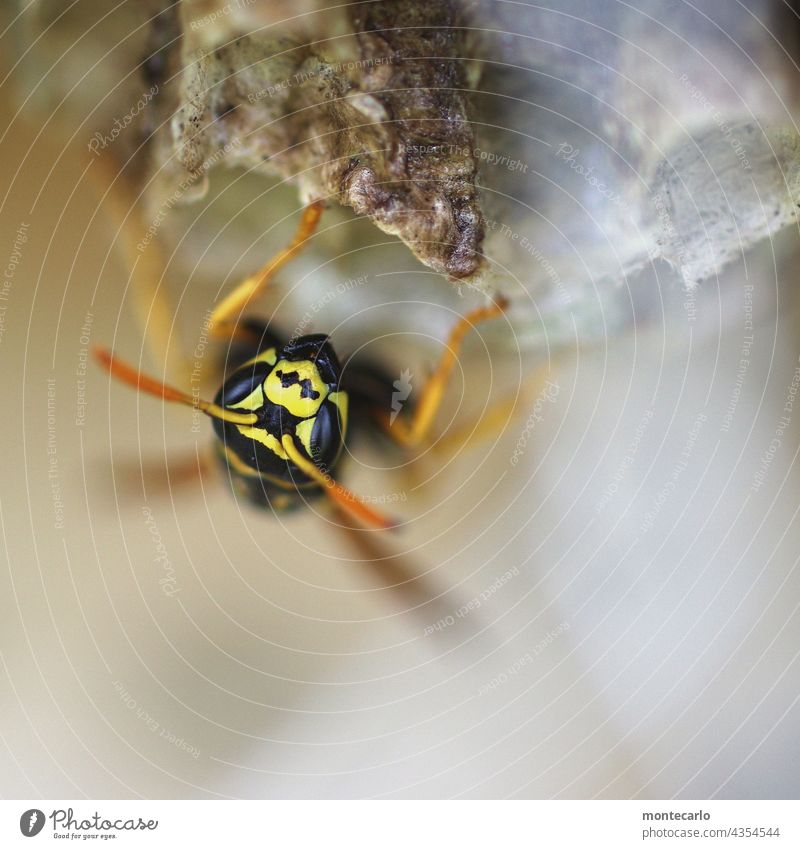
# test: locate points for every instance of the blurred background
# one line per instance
(595, 597)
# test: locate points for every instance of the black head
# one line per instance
(293, 390)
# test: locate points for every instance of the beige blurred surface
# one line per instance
(533, 631)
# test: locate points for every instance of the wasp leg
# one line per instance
(140, 479)
(494, 419)
(343, 498)
(414, 430)
(225, 318)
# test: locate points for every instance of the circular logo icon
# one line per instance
(31, 822)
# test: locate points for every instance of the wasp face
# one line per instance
(293, 390)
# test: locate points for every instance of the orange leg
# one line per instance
(126, 373)
(412, 432)
(343, 498)
(225, 317)
(494, 419)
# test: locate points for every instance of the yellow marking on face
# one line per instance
(269, 356)
(254, 401)
(341, 399)
(303, 431)
(265, 438)
(306, 380)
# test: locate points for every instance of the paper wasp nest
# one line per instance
(566, 154)
(385, 130)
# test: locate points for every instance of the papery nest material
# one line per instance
(386, 133)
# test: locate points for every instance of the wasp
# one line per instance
(282, 415)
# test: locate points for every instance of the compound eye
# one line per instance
(322, 437)
(243, 388)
